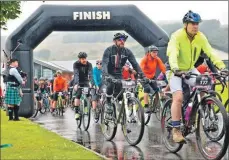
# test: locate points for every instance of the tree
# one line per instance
(9, 10)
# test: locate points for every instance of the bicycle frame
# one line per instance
(115, 100)
(195, 107)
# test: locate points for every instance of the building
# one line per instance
(48, 69)
(45, 69)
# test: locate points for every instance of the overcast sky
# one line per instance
(155, 10)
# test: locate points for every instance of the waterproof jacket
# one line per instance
(149, 66)
(183, 53)
(97, 76)
(114, 59)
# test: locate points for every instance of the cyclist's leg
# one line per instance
(39, 98)
(156, 89)
(94, 98)
(176, 89)
(147, 90)
(108, 105)
(77, 103)
(55, 97)
(110, 87)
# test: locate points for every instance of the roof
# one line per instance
(51, 65)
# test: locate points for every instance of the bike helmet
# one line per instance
(152, 48)
(82, 55)
(59, 72)
(120, 35)
(191, 17)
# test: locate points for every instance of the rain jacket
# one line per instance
(60, 84)
(97, 76)
(149, 66)
(183, 54)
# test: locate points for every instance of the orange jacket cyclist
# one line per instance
(149, 64)
(59, 85)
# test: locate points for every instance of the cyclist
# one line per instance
(59, 85)
(42, 89)
(70, 87)
(128, 72)
(114, 58)
(183, 51)
(82, 78)
(149, 64)
(36, 85)
(97, 77)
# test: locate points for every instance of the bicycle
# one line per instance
(45, 99)
(153, 96)
(59, 110)
(37, 105)
(70, 99)
(85, 108)
(100, 103)
(127, 109)
(202, 114)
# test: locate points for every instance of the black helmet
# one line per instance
(120, 35)
(152, 48)
(192, 17)
(82, 55)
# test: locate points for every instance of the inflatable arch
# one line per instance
(48, 18)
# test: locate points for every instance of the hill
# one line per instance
(60, 46)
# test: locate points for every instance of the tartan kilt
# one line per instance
(12, 96)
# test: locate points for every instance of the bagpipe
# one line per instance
(9, 57)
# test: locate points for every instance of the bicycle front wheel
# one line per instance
(214, 125)
(86, 114)
(166, 126)
(133, 124)
(108, 126)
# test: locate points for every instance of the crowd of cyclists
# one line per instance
(188, 51)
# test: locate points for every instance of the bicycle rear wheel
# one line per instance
(166, 127)
(86, 114)
(109, 127)
(133, 124)
(213, 121)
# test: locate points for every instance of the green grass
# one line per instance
(30, 141)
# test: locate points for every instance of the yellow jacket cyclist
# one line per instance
(183, 51)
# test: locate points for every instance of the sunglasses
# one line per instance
(122, 39)
(99, 63)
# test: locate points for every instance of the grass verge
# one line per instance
(30, 141)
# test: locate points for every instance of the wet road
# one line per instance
(149, 148)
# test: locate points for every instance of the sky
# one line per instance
(155, 10)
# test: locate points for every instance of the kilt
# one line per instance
(12, 96)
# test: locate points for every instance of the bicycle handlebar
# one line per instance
(219, 76)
